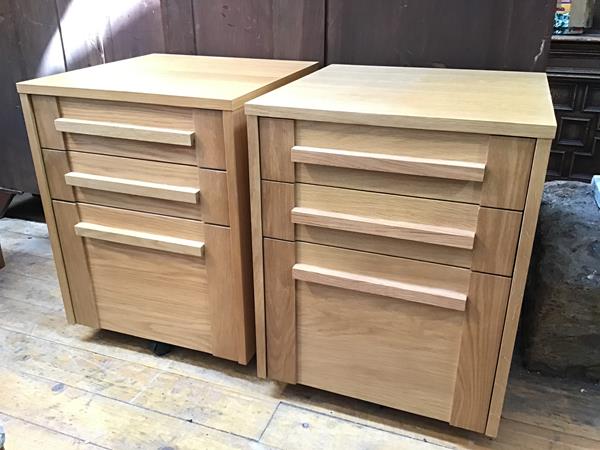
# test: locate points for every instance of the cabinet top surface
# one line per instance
(177, 80)
(477, 101)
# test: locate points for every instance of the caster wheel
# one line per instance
(160, 348)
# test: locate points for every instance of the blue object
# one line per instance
(596, 188)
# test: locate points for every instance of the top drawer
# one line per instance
(481, 169)
(160, 133)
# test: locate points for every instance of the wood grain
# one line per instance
(201, 85)
(132, 187)
(380, 162)
(407, 271)
(45, 189)
(123, 131)
(257, 244)
(276, 141)
(212, 206)
(346, 340)
(517, 288)
(480, 343)
(139, 239)
(277, 201)
(46, 112)
(380, 286)
(76, 265)
(209, 137)
(430, 234)
(280, 310)
(236, 157)
(454, 100)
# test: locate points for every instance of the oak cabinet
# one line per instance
(142, 169)
(393, 213)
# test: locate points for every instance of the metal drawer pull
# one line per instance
(133, 187)
(140, 239)
(443, 298)
(431, 234)
(380, 162)
(125, 131)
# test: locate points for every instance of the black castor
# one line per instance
(160, 348)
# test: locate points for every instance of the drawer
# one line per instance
(147, 275)
(149, 186)
(491, 171)
(457, 234)
(406, 334)
(160, 133)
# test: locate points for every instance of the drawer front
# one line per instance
(457, 234)
(176, 135)
(411, 335)
(148, 275)
(149, 186)
(491, 171)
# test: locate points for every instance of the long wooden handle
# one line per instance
(125, 131)
(380, 286)
(133, 187)
(140, 239)
(380, 162)
(431, 234)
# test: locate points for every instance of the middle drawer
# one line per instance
(148, 186)
(457, 234)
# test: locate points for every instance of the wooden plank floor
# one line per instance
(69, 387)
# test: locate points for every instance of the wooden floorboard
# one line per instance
(70, 387)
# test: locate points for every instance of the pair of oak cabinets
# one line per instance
(363, 230)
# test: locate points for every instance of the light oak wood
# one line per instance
(277, 200)
(123, 131)
(280, 310)
(78, 273)
(140, 239)
(404, 271)
(380, 162)
(431, 234)
(476, 101)
(276, 140)
(507, 162)
(399, 354)
(212, 206)
(44, 187)
(480, 343)
(236, 157)
(176, 80)
(133, 187)
(433, 221)
(257, 245)
(380, 286)
(517, 288)
(46, 111)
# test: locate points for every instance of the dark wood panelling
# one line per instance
(285, 29)
(486, 34)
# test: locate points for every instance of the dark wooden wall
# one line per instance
(39, 37)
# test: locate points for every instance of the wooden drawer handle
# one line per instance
(431, 234)
(380, 286)
(426, 167)
(125, 131)
(140, 239)
(133, 187)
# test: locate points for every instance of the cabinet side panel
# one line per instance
(515, 300)
(38, 162)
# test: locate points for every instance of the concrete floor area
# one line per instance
(70, 387)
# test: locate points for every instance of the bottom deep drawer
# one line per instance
(145, 274)
(384, 329)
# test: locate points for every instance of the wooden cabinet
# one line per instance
(393, 213)
(142, 168)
